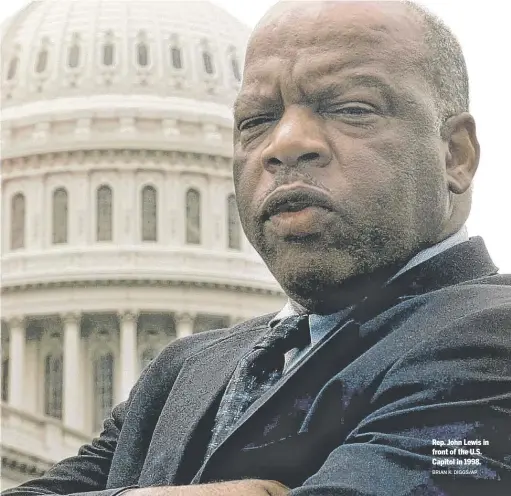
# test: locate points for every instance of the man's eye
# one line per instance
(351, 110)
(253, 122)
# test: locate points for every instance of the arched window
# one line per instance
(207, 61)
(60, 217)
(233, 224)
(5, 379)
(73, 56)
(108, 53)
(103, 388)
(149, 214)
(148, 356)
(175, 55)
(42, 61)
(193, 220)
(143, 54)
(53, 385)
(235, 68)
(17, 221)
(13, 68)
(104, 213)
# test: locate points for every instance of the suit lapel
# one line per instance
(200, 383)
(466, 261)
(335, 352)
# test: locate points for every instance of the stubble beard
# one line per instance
(331, 273)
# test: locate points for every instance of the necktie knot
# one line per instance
(291, 332)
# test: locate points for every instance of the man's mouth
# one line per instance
(286, 202)
(297, 213)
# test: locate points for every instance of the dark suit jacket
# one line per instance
(426, 358)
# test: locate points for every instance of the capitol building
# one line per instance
(119, 225)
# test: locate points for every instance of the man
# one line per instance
(354, 154)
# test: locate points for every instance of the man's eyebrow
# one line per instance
(319, 91)
(346, 83)
(253, 101)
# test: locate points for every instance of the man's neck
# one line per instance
(355, 290)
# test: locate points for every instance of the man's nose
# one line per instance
(297, 140)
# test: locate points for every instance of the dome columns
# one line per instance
(72, 391)
(184, 324)
(128, 352)
(17, 342)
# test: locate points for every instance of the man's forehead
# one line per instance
(302, 24)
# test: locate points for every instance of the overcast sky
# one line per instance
(483, 30)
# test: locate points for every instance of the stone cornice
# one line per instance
(116, 130)
(112, 159)
(23, 463)
(140, 283)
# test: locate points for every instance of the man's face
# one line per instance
(339, 167)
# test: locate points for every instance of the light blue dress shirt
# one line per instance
(321, 325)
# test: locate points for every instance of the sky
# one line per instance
(484, 34)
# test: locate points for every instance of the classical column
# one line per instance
(129, 366)
(17, 342)
(184, 324)
(72, 373)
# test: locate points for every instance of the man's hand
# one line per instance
(249, 487)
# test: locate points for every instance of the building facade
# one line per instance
(119, 224)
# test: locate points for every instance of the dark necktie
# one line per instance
(257, 372)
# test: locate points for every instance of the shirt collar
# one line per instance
(292, 308)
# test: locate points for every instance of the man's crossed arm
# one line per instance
(249, 487)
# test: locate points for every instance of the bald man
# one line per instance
(388, 372)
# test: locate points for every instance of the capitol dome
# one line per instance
(65, 48)
(119, 225)
(153, 62)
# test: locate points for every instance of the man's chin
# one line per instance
(326, 282)
(309, 275)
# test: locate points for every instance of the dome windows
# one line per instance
(195, 223)
(193, 217)
(18, 221)
(104, 218)
(142, 54)
(108, 50)
(41, 61)
(60, 216)
(233, 224)
(235, 68)
(207, 62)
(176, 57)
(73, 57)
(149, 214)
(108, 54)
(235, 65)
(42, 57)
(12, 68)
(176, 54)
(211, 65)
(74, 52)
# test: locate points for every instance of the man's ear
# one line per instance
(462, 157)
